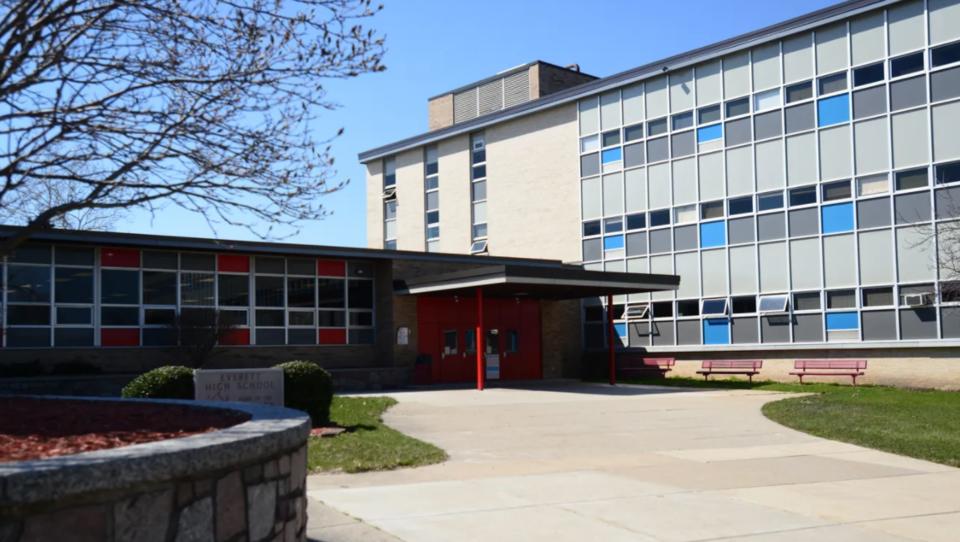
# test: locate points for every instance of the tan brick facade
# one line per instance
(440, 112)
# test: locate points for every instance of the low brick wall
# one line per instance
(245, 482)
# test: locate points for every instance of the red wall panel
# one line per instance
(119, 337)
(236, 337)
(331, 268)
(119, 257)
(332, 336)
(233, 263)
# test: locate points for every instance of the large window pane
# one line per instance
(120, 287)
(28, 315)
(234, 290)
(361, 294)
(196, 289)
(28, 284)
(269, 291)
(119, 316)
(159, 288)
(300, 292)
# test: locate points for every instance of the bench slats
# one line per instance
(829, 367)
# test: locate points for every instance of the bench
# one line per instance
(829, 367)
(644, 367)
(748, 367)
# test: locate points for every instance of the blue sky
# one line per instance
(437, 45)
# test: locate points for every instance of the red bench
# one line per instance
(829, 367)
(641, 367)
(748, 367)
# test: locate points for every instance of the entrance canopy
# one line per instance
(536, 282)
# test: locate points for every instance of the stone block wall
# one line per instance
(229, 497)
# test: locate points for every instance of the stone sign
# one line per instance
(263, 386)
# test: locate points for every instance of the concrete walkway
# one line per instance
(577, 462)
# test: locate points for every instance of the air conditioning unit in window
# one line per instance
(915, 300)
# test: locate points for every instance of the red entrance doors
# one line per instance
(447, 333)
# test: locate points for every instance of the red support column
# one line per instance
(481, 369)
(611, 352)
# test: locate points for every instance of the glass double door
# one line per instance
(501, 349)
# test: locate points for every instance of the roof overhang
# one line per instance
(559, 282)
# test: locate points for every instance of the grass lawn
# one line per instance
(367, 444)
(918, 423)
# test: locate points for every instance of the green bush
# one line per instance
(307, 387)
(169, 382)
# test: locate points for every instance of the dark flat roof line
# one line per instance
(265, 247)
(505, 73)
(563, 282)
(650, 69)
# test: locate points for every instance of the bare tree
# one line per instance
(198, 333)
(204, 104)
(944, 235)
(38, 196)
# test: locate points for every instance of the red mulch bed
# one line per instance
(39, 428)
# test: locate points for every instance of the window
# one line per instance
(906, 64)
(478, 247)
(685, 214)
(740, 106)
(656, 127)
(611, 138)
(592, 227)
(709, 114)
(635, 311)
(947, 173)
(714, 209)
(773, 303)
(688, 307)
(743, 305)
(74, 284)
(806, 301)
(636, 221)
(868, 74)
(945, 54)
(832, 83)
(803, 196)
(766, 100)
(196, 288)
(799, 91)
(233, 290)
(841, 299)
(835, 190)
(713, 307)
(914, 178)
(874, 184)
(117, 287)
(479, 193)
(773, 200)
(611, 155)
(659, 218)
(633, 133)
(589, 143)
(877, 297)
(739, 206)
(613, 225)
(682, 121)
(389, 172)
(663, 309)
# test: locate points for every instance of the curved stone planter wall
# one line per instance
(245, 482)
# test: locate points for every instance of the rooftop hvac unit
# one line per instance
(915, 300)
(635, 311)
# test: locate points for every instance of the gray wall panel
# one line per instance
(879, 325)
(688, 332)
(807, 328)
(873, 213)
(908, 93)
(800, 117)
(741, 230)
(636, 244)
(869, 102)
(685, 238)
(804, 222)
(744, 330)
(660, 241)
(775, 329)
(950, 322)
(918, 323)
(663, 334)
(771, 226)
(737, 132)
(909, 208)
(767, 125)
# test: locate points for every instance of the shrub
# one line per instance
(168, 382)
(307, 387)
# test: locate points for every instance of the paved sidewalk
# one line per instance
(570, 461)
